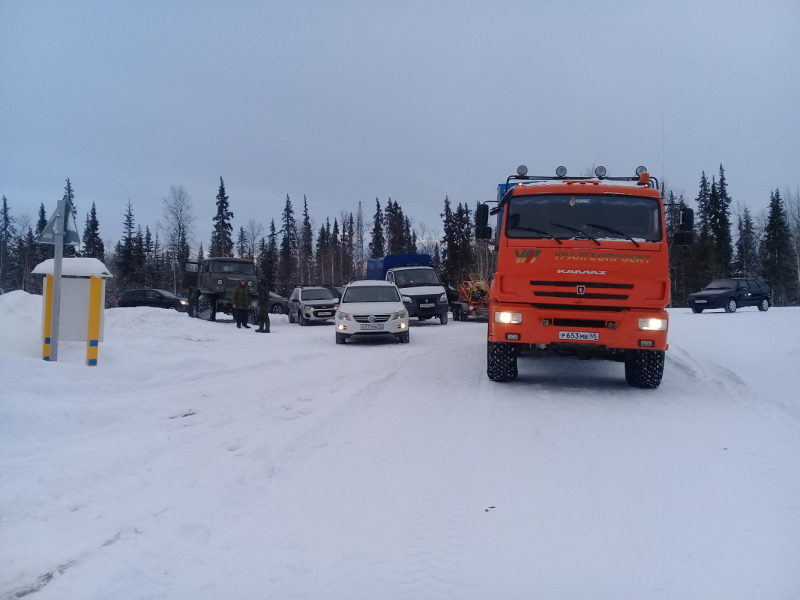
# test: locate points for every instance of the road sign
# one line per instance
(50, 232)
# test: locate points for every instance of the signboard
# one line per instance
(49, 233)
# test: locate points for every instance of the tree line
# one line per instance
(729, 241)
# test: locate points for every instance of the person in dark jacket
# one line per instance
(263, 307)
(241, 304)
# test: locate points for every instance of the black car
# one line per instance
(155, 298)
(278, 305)
(732, 293)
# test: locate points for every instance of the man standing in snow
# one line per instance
(263, 307)
(241, 304)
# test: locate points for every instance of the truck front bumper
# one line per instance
(578, 328)
(425, 306)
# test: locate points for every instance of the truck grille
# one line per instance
(595, 284)
(365, 318)
(589, 296)
(590, 323)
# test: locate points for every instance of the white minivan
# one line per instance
(369, 308)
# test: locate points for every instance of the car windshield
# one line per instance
(412, 277)
(584, 216)
(234, 267)
(321, 294)
(167, 294)
(371, 293)
(721, 284)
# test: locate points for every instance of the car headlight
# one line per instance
(507, 317)
(406, 300)
(184, 302)
(443, 297)
(402, 314)
(343, 316)
(653, 324)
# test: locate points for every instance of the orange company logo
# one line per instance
(526, 256)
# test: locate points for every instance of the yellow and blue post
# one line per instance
(48, 315)
(95, 308)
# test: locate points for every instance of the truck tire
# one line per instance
(443, 318)
(501, 364)
(253, 313)
(206, 308)
(456, 312)
(644, 368)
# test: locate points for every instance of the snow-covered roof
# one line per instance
(74, 267)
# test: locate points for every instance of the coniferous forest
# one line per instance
(294, 249)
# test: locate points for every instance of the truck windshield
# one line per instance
(377, 293)
(233, 267)
(584, 216)
(413, 277)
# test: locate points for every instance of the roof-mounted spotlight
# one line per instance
(522, 170)
(561, 171)
(640, 170)
(600, 172)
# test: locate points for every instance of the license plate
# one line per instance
(372, 326)
(583, 336)
(427, 305)
(323, 314)
(701, 301)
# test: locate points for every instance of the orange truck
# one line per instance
(582, 269)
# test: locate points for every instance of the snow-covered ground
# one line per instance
(200, 461)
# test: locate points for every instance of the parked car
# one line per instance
(309, 304)
(335, 290)
(156, 298)
(732, 293)
(278, 305)
(369, 308)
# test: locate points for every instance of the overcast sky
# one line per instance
(349, 101)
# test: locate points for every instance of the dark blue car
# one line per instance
(732, 293)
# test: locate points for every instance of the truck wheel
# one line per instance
(644, 368)
(763, 306)
(465, 315)
(205, 308)
(697, 310)
(443, 318)
(731, 306)
(501, 361)
(253, 313)
(456, 312)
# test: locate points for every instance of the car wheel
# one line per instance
(443, 318)
(205, 308)
(341, 338)
(501, 361)
(697, 310)
(644, 368)
(301, 319)
(405, 338)
(763, 306)
(291, 316)
(277, 309)
(456, 312)
(731, 306)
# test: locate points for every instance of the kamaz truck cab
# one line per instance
(582, 269)
(211, 282)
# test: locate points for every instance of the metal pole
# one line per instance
(58, 230)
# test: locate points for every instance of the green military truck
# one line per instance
(211, 282)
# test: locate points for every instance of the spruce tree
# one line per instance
(377, 246)
(306, 246)
(746, 260)
(241, 243)
(200, 254)
(93, 246)
(449, 258)
(8, 232)
(287, 270)
(722, 226)
(776, 253)
(702, 207)
(125, 254)
(336, 255)
(358, 245)
(271, 265)
(221, 240)
(71, 251)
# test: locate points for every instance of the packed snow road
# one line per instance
(201, 461)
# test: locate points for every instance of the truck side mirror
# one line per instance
(190, 267)
(483, 233)
(685, 234)
(482, 215)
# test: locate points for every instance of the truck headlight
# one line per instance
(249, 284)
(406, 300)
(507, 317)
(343, 316)
(219, 281)
(400, 315)
(443, 297)
(653, 324)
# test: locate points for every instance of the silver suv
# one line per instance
(308, 304)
